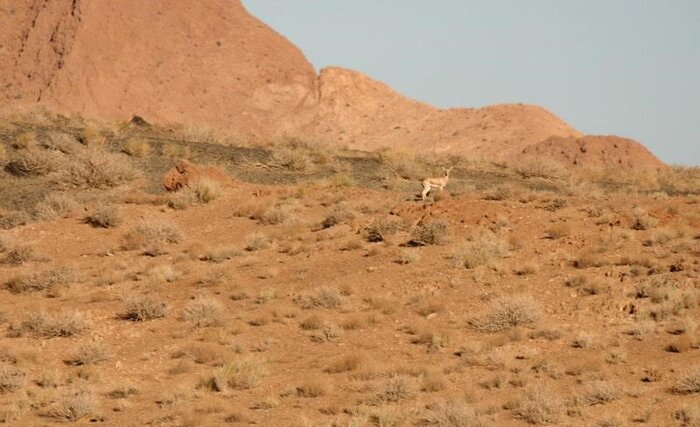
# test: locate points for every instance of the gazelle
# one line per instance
(430, 183)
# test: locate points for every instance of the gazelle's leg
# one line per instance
(426, 189)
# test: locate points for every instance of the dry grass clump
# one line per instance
(202, 192)
(3, 153)
(37, 162)
(507, 311)
(104, 217)
(95, 169)
(540, 406)
(12, 219)
(378, 230)
(340, 214)
(55, 205)
(18, 254)
(404, 165)
(40, 281)
(275, 215)
(408, 256)
(293, 159)
(89, 354)
(450, 413)
(143, 308)
(601, 391)
(11, 378)
(642, 220)
(430, 233)
(73, 406)
(484, 249)
(237, 374)
(50, 325)
(312, 388)
(152, 235)
(204, 311)
(347, 363)
(256, 242)
(688, 416)
(558, 231)
(393, 390)
(137, 147)
(323, 297)
(329, 332)
(689, 383)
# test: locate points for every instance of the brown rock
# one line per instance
(186, 173)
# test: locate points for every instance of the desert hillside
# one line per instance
(288, 285)
(214, 65)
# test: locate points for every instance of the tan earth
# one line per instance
(214, 65)
(287, 282)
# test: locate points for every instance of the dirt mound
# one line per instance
(214, 65)
(186, 173)
(594, 151)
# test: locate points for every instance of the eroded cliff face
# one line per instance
(211, 63)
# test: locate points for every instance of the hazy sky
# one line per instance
(623, 67)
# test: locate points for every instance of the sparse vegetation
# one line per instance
(143, 308)
(430, 233)
(203, 312)
(507, 311)
(484, 249)
(50, 325)
(105, 217)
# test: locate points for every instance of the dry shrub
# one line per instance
(73, 406)
(275, 215)
(143, 308)
(105, 217)
(18, 254)
(430, 233)
(89, 354)
(433, 381)
(378, 230)
(540, 406)
(601, 391)
(202, 191)
(312, 388)
(688, 416)
(483, 249)
(329, 332)
(450, 413)
(12, 219)
(347, 363)
(311, 323)
(50, 325)
(507, 311)
(92, 137)
(37, 163)
(237, 374)
(558, 231)
(95, 169)
(152, 235)
(408, 256)
(25, 140)
(55, 205)
(257, 241)
(137, 147)
(292, 159)
(40, 281)
(689, 383)
(11, 378)
(340, 214)
(204, 311)
(642, 220)
(393, 390)
(323, 297)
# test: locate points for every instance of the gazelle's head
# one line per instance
(446, 172)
